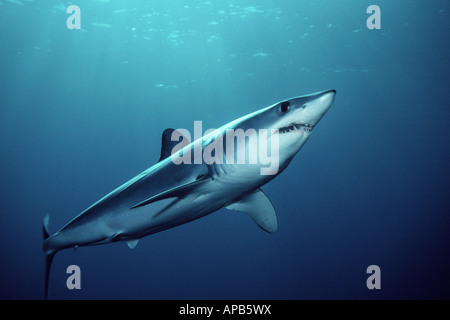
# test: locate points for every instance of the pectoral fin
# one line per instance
(179, 191)
(258, 207)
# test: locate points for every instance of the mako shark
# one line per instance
(171, 193)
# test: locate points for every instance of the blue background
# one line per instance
(82, 111)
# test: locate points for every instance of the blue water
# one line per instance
(82, 111)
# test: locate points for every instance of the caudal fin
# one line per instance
(48, 261)
(49, 254)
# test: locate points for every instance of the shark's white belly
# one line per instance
(169, 213)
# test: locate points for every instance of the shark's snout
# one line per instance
(327, 97)
(317, 105)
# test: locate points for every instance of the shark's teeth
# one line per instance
(296, 126)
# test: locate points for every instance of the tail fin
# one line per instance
(45, 223)
(49, 254)
(48, 261)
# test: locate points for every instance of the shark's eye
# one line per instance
(285, 106)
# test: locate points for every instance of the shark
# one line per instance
(172, 192)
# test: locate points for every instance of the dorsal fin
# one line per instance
(167, 144)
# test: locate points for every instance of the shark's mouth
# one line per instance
(301, 127)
